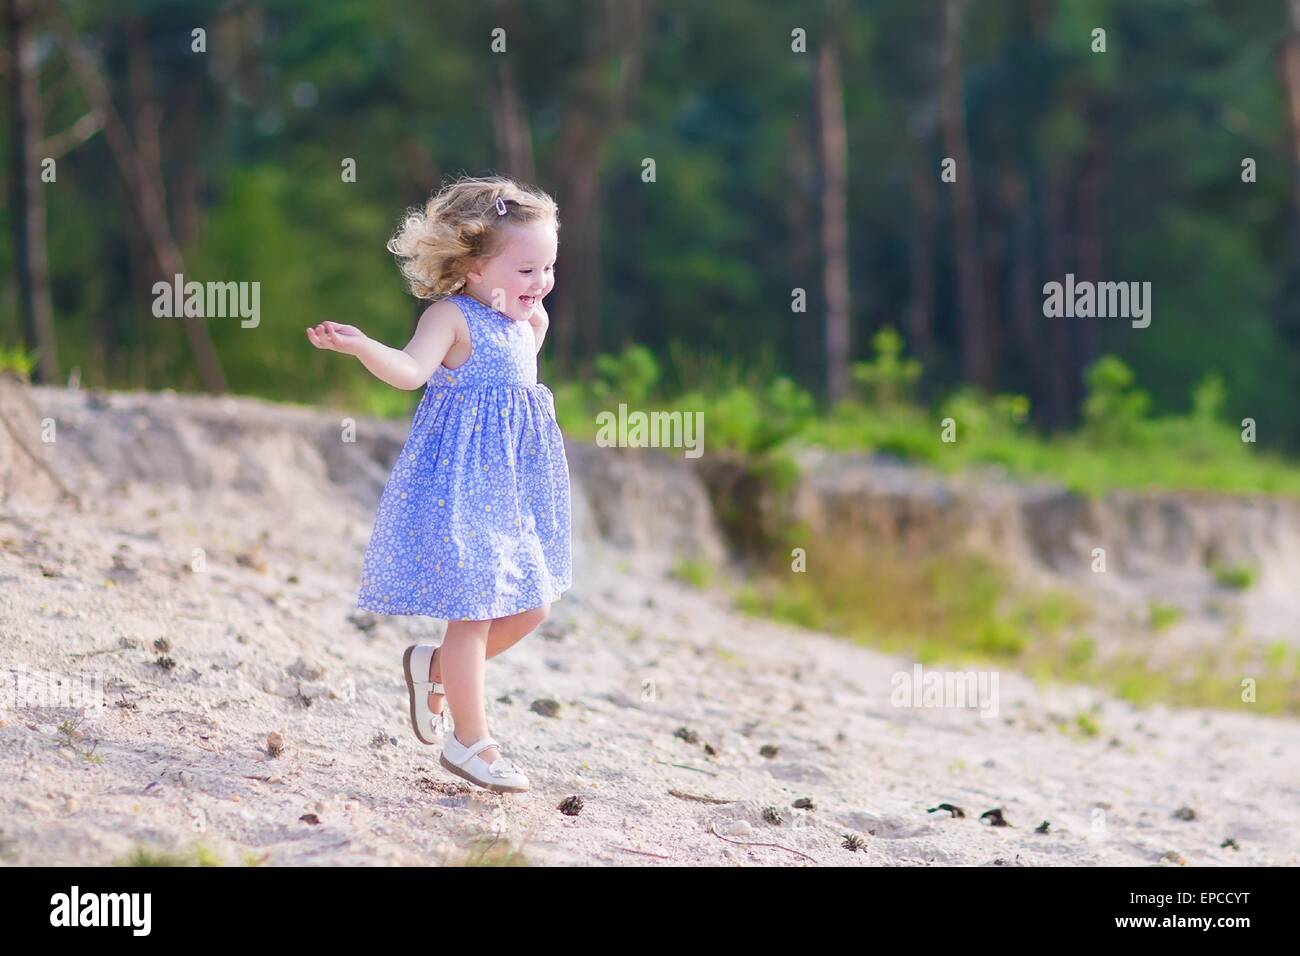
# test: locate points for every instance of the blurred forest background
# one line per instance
(775, 170)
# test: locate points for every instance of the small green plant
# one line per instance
(1162, 616)
(979, 418)
(1236, 577)
(1086, 725)
(197, 855)
(70, 733)
(729, 657)
(1001, 637)
(1208, 397)
(204, 855)
(693, 572)
(492, 851)
(628, 377)
(793, 604)
(1114, 409)
(14, 359)
(1079, 653)
(887, 379)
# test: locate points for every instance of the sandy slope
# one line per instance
(265, 639)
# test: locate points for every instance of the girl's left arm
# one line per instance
(540, 322)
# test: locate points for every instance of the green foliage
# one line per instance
(1193, 451)
(1114, 409)
(1162, 616)
(954, 608)
(628, 377)
(572, 410)
(697, 574)
(752, 420)
(737, 417)
(491, 852)
(13, 358)
(197, 855)
(1086, 725)
(1235, 577)
(770, 419)
(1208, 398)
(1079, 652)
(888, 378)
(979, 418)
(794, 603)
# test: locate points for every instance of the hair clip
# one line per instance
(501, 206)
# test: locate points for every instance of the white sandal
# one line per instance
(418, 662)
(464, 761)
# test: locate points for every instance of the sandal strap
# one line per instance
(478, 747)
(430, 686)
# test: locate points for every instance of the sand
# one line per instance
(688, 731)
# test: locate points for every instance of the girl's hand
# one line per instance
(540, 322)
(538, 318)
(337, 337)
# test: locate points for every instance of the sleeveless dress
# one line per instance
(474, 521)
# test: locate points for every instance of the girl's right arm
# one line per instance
(407, 368)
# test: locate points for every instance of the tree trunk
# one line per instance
(617, 33)
(578, 169)
(1023, 304)
(187, 203)
(1090, 181)
(1058, 368)
(802, 337)
(834, 225)
(920, 254)
(510, 123)
(146, 193)
(27, 194)
(977, 362)
(1289, 67)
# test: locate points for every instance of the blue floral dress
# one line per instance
(474, 522)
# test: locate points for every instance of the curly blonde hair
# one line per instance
(436, 246)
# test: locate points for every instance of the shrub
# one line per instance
(1114, 409)
(628, 377)
(888, 378)
(14, 359)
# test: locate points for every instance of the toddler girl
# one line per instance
(473, 525)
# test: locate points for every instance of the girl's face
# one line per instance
(517, 278)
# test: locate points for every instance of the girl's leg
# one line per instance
(461, 661)
(463, 656)
(503, 634)
(507, 631)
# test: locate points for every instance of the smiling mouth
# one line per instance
(528, 300)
